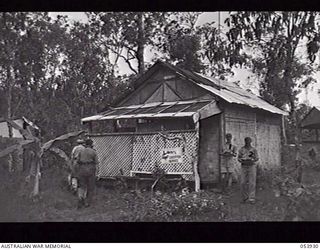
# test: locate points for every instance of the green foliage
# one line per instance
(273, 39)
(173, 207)
(303, 200)
(291, 123)
(180, 44)
(127, 34)
(184, 50)
(201, 48)
(218, 55)
(54, 71)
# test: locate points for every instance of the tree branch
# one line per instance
(17, 107)
(129, 64)
(126, 59)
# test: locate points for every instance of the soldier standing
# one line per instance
(248, 156)
(87, 161)
(74, 155)
(228, 154)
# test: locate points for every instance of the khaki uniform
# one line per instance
(227, 164)
(228, 160)
(74, 155)
(248, 172)
(87, 160)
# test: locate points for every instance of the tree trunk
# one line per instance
(284, 136)
(141, 43)
(9, 114)
(293, 115)
(36, 187)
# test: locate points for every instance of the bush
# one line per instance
(172, 207)
(303, 200)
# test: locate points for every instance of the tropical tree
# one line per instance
(54, 71)
(128, 34)
(217, 53)
(20, 58)
(201, 48)
(180, 44)
(275, 42)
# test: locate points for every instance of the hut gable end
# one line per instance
(164, 85)
(164, 82)
(312, 119)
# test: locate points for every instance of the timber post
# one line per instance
(221, 142)
(196, 158)
(283, 131)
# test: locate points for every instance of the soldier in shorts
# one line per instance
(72, 180)
(228, 157)
(87, 162)
(248, 157)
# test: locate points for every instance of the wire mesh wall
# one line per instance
(114, 153)
(130, 153)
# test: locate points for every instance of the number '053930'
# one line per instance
(308, 245)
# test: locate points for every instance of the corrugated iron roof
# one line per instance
(228, 91)
(231, 92)
(160, 109)
(244, 99)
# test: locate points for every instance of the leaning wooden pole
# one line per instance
(9, 113)
(35, 169)
(284, 131)
(36, 186)
(221, 142)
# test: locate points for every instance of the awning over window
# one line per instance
(197, 109)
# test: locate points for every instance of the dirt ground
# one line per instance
(58, 204)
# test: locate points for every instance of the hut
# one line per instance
(22, 122)
(310, 130)
(19, 158)
(177, 120)
(312, 121)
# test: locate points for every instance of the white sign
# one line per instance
(171, 155)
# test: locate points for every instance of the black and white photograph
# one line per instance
(160, 116)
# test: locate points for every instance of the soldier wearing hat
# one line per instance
(87, 162)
